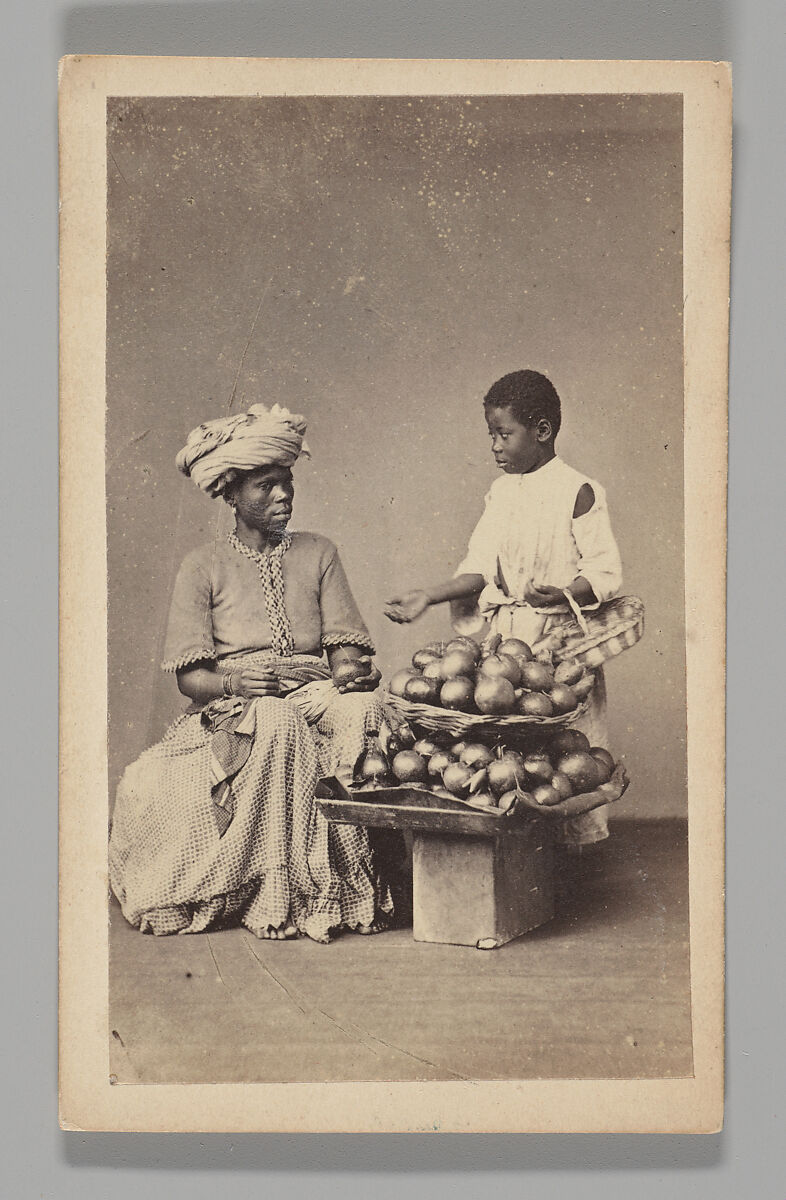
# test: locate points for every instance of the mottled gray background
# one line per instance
(377, 263)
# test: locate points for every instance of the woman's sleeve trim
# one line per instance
(362, 640)
(186, 660)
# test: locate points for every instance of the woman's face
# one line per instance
(263, 497)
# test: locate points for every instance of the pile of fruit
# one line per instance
(553, 770)
(501, 678)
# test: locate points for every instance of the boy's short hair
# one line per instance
(530, 397)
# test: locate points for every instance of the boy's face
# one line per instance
(517, 448)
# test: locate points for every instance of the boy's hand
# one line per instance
(544, 596)
(406, 608)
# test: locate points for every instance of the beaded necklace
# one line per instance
(272, 577)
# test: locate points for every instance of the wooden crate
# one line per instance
(479, 878)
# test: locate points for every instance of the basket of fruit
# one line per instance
(562, 776)
(615, 626)
(460, 686)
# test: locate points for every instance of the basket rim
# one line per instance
(443, 717)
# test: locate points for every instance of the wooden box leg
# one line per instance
(468, 890)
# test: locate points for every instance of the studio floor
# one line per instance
(602, 991)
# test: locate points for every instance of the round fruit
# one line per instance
(421, 657)
(456, 779)
(347, 672)
(465, 643)
(457, 693)
(536, 677)
(538, 769)
(425, 747)
(507, 800)
(433, 670)
(374, 766)
(584, 686)
(457, 662)
(582, 771)
(605, 762)
(400, 680)
(476, 755)
(535, 704)
(568, 671)
(567, 741)
(500, 666)
(494, 696)
(483, 800)
(458, 747)
(422, 691)
(516, 648)
(561, 784)
(563, 698)
(409, 767)
(546, 795)
(505, 775)
(439, 762)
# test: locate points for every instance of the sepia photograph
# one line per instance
(396, 504)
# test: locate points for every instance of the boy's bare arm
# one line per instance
(410, 605)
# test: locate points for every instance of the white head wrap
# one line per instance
(261, 437)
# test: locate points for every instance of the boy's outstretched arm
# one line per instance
(411, 605)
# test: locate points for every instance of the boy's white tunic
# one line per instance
(528, 533)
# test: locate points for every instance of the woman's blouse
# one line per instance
(219, 605)
(528, 532)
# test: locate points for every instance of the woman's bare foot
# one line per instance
(280, 934)
(378, 925)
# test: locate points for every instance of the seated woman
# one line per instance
(217, 821)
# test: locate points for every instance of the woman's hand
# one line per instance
(544, 596)
(364, 683)
(251, 682)
(406, 608)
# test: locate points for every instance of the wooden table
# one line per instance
(479, 877)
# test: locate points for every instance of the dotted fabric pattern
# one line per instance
(279, 861)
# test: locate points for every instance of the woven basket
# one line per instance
(448, 720)
(616, 626)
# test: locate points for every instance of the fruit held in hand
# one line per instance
(582, 771)
(347, 672)
(568, 671)
(409, 767)
(422, 691)
(458, 694)
(494, 696)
